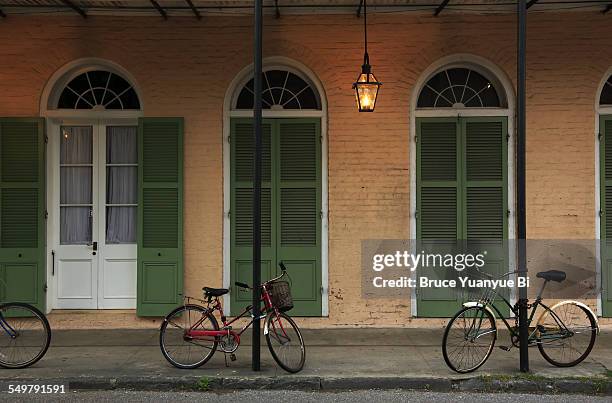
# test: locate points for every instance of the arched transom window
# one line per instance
(460, 87)
(98, 90)
(282, 89)
(606, 93)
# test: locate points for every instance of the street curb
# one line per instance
(507, 383)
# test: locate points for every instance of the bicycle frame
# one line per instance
(538, 302)
(227, 331)
(7, 328)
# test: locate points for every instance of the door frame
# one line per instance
(96, 119)
(480, 64)
(236, 85)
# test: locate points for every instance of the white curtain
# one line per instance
(76, 152)
(121, 184)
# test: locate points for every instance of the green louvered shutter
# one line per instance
(438, 202)
(22, 209)
(160, 215)
(298, 210)
(241, 210)
(485, 195)
(462, 194)
(605, 158)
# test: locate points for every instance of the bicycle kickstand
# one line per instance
(232, 358)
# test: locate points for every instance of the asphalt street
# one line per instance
(254, 396)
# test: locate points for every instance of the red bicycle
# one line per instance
(190, 335)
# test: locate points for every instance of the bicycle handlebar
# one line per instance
(283, 269)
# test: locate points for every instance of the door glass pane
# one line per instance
(75, 225)
(120, 225)
(75, 185)
(76, 193)
(76, 146)
(121, 184)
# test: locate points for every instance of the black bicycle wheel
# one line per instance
(468, 339)
(566, 337)
(181, 350)
(285, 342)
(25, 335)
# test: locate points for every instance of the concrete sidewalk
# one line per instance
(335, 359)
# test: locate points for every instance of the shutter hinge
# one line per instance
(508, 213)
(46, 214)
(45, 287)
(416, 138)
(322, 290)
(46, 139)
(416, 214)
(321, 214)
(321, 139)
(602, 213)
(229, 139)
(508, 137)
(599, 136)
(229, 213)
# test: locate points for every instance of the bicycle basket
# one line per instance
(280, 293)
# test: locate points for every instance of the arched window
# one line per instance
(282, 89)
(460, 87)
(606, 93)
(98, 90)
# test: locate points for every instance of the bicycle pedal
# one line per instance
(233, 357)
(505, 348)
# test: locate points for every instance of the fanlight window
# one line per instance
(281, 90)
(98, 90)
(459, 88)
(606, 93)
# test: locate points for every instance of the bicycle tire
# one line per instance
(46, 339)
(593, 331)
(445, 349)
(273, 335)
(164, 327)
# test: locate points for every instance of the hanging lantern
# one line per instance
(366, 87)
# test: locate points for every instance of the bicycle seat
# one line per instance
(552, 275)
(215, 292)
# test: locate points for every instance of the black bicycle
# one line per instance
(25, 335)
(564, 333)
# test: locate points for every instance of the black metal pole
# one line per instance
(257, 56)
(520, 182)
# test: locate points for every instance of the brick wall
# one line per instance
(184, 67)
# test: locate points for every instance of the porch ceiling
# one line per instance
(197, 8)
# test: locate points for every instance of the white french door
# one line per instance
(95, 176)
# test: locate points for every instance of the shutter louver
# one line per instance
(438, 213)
(160, 215)
(437, 172)
(244, 217)
(160, 218)
(438, 143)
(485, 213)
(19, 218)
(298, 217)
(484, 151)
(244, 152)
(485, 179)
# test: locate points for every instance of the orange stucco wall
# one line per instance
(184, 66)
